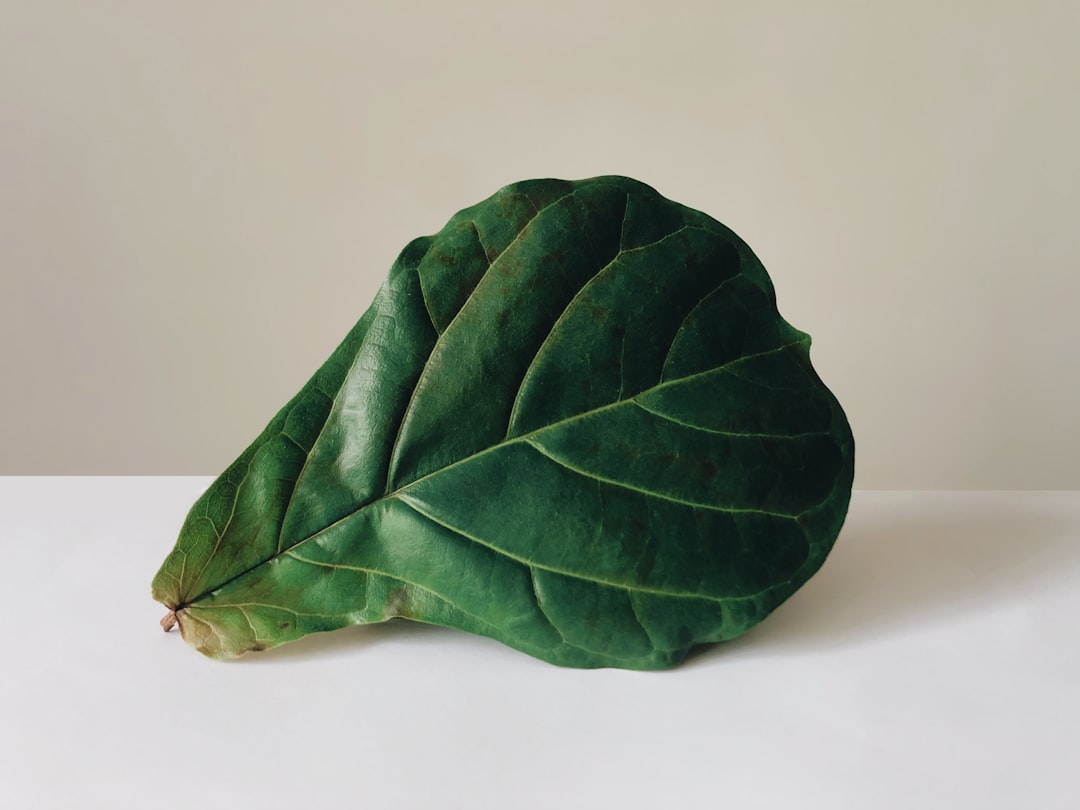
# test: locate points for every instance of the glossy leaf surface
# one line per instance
(572, 421)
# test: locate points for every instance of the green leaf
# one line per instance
(573, 421)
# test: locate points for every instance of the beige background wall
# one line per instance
(197, 200)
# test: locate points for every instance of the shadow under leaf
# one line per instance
(910, 558)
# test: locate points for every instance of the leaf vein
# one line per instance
(686, 318)
(224, 529)
(395, 577)
(648, 492)
(581, 293)
(391, 468)
(402, 491)
(627, 586)
(735, 434)
(540, 605)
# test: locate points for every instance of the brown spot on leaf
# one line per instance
(395, 603)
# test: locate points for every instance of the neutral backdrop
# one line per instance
(197, 200)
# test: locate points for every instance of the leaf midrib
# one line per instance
(522, 439)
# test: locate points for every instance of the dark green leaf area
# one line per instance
(621, 536)
(606, 346)
(773, 393)
(499, 328)
(658, 457)
(649, 218)
(735, 321)
(572, 421)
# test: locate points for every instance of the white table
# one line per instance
(934, 662)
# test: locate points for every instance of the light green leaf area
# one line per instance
(573, 421)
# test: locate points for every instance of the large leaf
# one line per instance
(572, 420)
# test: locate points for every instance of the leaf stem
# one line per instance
(169, 619)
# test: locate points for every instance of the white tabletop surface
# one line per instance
(934, 662)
